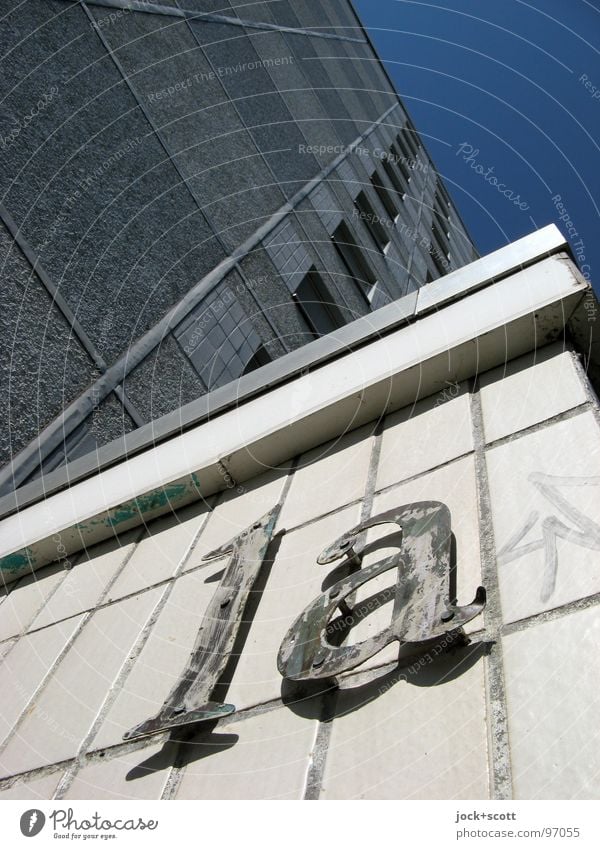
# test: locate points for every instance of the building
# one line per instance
(193, 190)
(467, 411)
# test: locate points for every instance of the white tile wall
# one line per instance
(139, 774)
(164, 655)
(65, 710)
(529, 390)
(237, 509)
(35, 788)
(418, 438)
(27, 598)
(455, 485)
(552, 672)
(160, 552)
(6, 646)
(84, 585)
(263, 757)
(295, 580)
(328, 477)
(567, 513)
(25, 667)
(424, 738)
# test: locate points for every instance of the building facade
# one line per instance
(476, 412)
(192, 190)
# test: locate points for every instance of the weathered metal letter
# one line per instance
(422, 607)
(189, 700)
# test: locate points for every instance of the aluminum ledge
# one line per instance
(483, 327)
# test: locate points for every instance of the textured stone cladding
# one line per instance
(141, 150)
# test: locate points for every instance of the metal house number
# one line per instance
(422, 609)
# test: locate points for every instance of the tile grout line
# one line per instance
(500, 771)
(586, 384)
(177, 771)
(318, 758)
(27, 628)
(85, 618)
(127, 666)
(581, 409)
(552, 614)
(572, 412)
(118, 749)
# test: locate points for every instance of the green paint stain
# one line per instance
(147, 503)
(22, 559)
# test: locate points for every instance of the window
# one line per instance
(408, 139)
(353, 259)
(401, 159)
(441, 262)
(258, 359)
(378, 228)
(441, 218)
(398, 182)
(440, 234)
(389, 200)
(316, 305)
(219, 339)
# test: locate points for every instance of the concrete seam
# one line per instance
(79, 409)
(500, 771)
(211, 17)
(129, 406)
(318, 758)
(552, 614)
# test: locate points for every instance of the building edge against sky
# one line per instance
(200, 193)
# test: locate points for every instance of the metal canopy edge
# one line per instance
(522, 311)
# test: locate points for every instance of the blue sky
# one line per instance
(502, 84)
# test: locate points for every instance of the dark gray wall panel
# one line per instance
(164, 381)
(42, 365)
(99, 201)
(186, 98)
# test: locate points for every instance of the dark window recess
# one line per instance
(389, 200)
(400, 183)
(260, 358)
(441, 262)
(317, 306)
(402, 157)
(444, 196)
(378, 228)
(409, 138)
(440, 234)
(441, 220)
(351, 255)
(219, 338)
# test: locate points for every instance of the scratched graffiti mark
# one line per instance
(585, 533)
